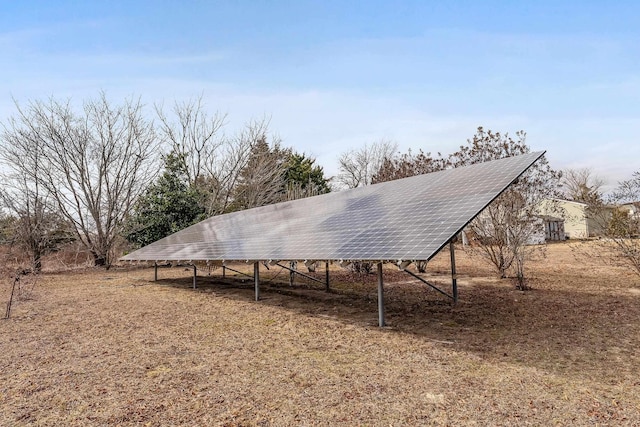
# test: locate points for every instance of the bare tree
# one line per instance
(358, 167)
(582, 185)
(212, 160)
(33, 226)
(408, 164)
(93, 164)
(195, 136)
(262, 181)
(505, 227)
(504, 230)
(224, 175)
(628, 191)
(619, 218)
(295, 191)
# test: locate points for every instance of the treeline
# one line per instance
(503, 232)
(107, 172)
(505, 228)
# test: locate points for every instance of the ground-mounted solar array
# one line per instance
(407, 219)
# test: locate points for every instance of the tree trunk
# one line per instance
(100, 260)
(36, 263)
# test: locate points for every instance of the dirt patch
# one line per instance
(96, 348)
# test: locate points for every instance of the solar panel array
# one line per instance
(406, 219)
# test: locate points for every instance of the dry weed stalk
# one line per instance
(22, 282)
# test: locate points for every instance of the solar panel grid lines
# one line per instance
(410, 219)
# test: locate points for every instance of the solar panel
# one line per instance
(406, 219)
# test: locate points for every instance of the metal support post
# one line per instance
(380, 297)
(256, 276)
(155, 271)
(224, 271)
(195, 274)
(326, 265)
(454, 276)
(292, 273)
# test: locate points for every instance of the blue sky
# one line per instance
(333, 75)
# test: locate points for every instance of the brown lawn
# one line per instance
(114, 348)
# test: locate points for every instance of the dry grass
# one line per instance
(113, 348)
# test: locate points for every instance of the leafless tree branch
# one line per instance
(93, 164)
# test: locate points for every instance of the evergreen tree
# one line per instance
(168, 205)
(303, 178)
